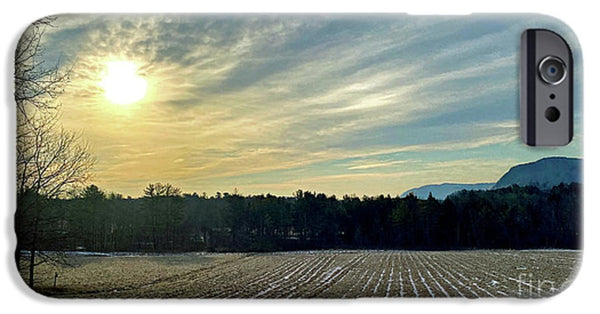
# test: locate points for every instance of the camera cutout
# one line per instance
(552, 114)
(546, 76)
(552, 70)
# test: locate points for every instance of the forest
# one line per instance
(167, 220)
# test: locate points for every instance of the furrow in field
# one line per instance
(453, 266)
(334, 277)
(307, 282)
(477, 278)
(355, 284)
(291, 282)
(443, 281)
(390, 280)
(252, 278)
(421, 279)
(525, 286)
(307, 277)
(467, 289)
(283, 277)
(400, 280)
(351, 269)
(381, 276)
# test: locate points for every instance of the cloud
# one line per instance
(377, 165)
(263, 101)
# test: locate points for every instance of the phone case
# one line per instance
(288, 156)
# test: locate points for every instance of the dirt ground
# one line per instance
(314, 274)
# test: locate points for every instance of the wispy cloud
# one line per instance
(377, 165)
(342, 103)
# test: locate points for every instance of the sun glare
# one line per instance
(121, 83)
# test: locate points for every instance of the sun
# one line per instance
(121, 83)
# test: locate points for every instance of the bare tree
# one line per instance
(51, 161)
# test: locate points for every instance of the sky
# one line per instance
(340, 104)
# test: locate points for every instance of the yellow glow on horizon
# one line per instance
(121, 83)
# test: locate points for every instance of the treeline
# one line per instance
(165, 220)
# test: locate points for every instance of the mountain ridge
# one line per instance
(543, 173)
(441, 191)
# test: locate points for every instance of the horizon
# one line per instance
(235, 190)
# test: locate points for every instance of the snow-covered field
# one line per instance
(321, 274)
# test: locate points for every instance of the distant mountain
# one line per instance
(440, 191)
(544, 173)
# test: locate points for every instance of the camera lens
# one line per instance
(552, 70)
(552, 114)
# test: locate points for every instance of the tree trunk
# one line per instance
(31, 266)
(205, 239)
